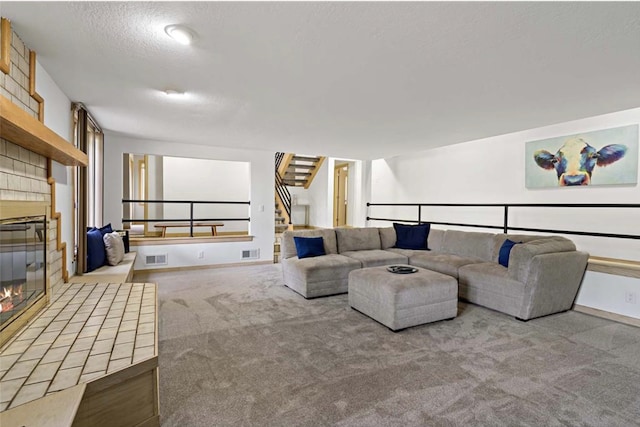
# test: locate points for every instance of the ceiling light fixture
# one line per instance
(173, 92)
(180, 33)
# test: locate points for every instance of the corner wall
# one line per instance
(491, 170)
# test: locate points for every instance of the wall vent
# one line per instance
(251, 254)
(155, 259)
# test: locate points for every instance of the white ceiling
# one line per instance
(347, 79)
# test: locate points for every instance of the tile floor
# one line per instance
(87, 331)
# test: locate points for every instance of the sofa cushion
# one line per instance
(468, 244)
(439, 262)
(498, 240)
(411, 236)
(307, 247)
(521, 255)
(376, 257)
(357, 239)
(387, 237)
(488, 284)
(288, 247)
(404, 252)
(436, 237)
(320, 269)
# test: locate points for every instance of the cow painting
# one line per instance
(575, 161)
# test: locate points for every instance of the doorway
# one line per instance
(340, 196)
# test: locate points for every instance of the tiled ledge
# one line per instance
(88, 331)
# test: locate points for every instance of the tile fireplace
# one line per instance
(24, 253)
(22, 265)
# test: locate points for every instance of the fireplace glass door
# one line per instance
(22, 264)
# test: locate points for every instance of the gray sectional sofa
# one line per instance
(543, 276)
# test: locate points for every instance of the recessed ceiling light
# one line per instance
(180, 33)
(173, 92)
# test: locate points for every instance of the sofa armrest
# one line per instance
(522, 254)
(553, 280)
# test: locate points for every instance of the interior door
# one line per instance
(341, 176)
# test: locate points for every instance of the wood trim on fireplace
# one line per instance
(19, 127)
(60, 245)
(32, 85)
(5, 45)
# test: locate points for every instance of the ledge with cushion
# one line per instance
(108, 257)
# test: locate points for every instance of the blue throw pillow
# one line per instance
(106, 229)
(96, 255)
(505, 252)
(308, 247)
(412, 236)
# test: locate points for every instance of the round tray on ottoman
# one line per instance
(400, 301)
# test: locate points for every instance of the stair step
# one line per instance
(292, 174)
(279, 218)
(304, 159)
(294, 181)
(281, 227)
(278, 212)
(294, 168)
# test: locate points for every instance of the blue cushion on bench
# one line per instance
(96, 254)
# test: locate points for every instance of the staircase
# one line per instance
(280, 227)
(299, 171)
(295, 171)
(280, 224)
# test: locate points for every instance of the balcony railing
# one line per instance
(191, 219)
(507, 208)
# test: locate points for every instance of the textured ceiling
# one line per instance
(356, 80)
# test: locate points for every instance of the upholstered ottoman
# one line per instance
(399, 301)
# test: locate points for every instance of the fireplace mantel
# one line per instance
(19, 127)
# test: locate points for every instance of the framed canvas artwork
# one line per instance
(602, 157)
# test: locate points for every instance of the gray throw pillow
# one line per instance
(114, 247)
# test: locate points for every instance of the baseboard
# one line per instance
(200, 267)
(627, 320)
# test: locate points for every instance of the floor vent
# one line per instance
(251, 254)
(155, 259)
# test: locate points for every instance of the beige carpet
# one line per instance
(237, 348)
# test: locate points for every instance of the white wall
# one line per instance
(319, 197)
(261, 198)
(491, 170)
(204, 179)
(57, 117)
(320, 193)
(155, 175)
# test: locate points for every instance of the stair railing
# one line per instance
(281, 188)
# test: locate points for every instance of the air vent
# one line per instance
(251, 254)
(155, 259)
